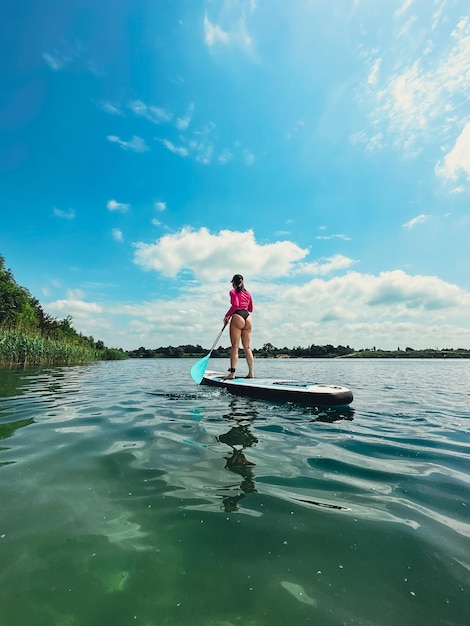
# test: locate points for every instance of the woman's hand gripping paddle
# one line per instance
(198, 369)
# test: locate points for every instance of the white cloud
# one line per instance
(334, 236)
(454, 71)
(203, 150)
(200, 145)
(404, 7)
(160, 206)
(396, 288)
(112, 109)
(214, 256)
(180, 150)
(117, 234)
(75, 294)
(298, 126)
(113, 205)
(456, 163)
(419, 219)
(418, 97)
(182, 123)
(89, 318)
(213, 33)
(74, 307)
(225, 156)
(249, 157)
(156, 115)
(231, 28)
(326, 266)
(136, 144)
(406, 27)
(66, 215)
(409, 100)
(439, 13)
(57, 60)
(204, 153)
(374, 72)
(361, 310)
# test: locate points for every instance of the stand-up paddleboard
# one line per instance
(281, 390)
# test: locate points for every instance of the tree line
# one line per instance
(311, 352)
(267, 351)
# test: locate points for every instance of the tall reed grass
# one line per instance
(20, 349)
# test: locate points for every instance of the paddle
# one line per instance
(198, 369)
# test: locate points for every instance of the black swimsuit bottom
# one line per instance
(242, 313)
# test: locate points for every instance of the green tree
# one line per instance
(16, 303)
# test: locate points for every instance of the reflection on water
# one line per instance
(238, 438)
(8, 429)
(135, 496)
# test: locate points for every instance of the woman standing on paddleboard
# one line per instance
(239, 315)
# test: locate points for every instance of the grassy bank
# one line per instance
(20, 349)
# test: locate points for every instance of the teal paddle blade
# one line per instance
(199, 368)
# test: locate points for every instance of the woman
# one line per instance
(240, 324)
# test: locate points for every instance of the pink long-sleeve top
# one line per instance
(239, 300)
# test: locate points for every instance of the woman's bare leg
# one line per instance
(246, 339)
(237, 324)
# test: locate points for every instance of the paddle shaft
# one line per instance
(218, 337)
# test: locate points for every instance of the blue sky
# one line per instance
(151, 149)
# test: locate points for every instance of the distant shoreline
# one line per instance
(174, 353)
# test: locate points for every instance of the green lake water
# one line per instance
(130, 495)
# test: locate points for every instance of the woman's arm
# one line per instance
(235, 302)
